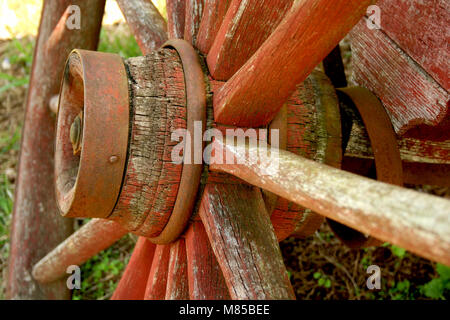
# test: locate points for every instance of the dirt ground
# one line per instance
(320, 267)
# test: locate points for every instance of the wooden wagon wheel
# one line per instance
(221, 243)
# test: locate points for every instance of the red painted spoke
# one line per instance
(206, 280)
(175, 18)
(415, 221)
(37, 226)
(86, 242)
(146, 23)
(243, 240)
(247, 24)
(212, 18)
(311, 29)
(134, 279)
(157, 279)
(192, 18)
(177, 276)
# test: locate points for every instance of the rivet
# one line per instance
(113, 159)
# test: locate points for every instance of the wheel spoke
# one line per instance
(192, 18)
(146, 23)
(243, 240)
(134, 279)
(311, 29)
(415, 221)
(86, 242)
(206, 280)
(37, 226)
(177, 275)
(245, 27)
(212, 18)
(175, 18)
(157, 279)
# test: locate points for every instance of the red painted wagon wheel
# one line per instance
(114, 125)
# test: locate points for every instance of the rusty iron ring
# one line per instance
(191, 173)
(94, 86)
(388, 163)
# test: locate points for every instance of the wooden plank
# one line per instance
(134, 279)
(410, 96)
(151, 182)
(206, 281)
(415, 221)
(311, 29)
(192, 18)
(418, 27)
(212, 18)
(243, 240)
(36, 226)
(175, 18)
(145, 22)
(177, 276)
(314, 132)
(86, 242)
(157, 278)
(245, 27)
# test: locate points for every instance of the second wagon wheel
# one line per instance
(205, 230)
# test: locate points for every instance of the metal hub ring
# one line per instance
(384, 144)
(94, 91)
(191, 173)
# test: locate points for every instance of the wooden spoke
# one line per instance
(412, 220)
(146, 23)
(157, 279)
(246, 25)
(206, 280)
(175, 18)
(194, 12)
(134, 279)
(177, 275)
(243, 240)
(311, 29)
(212, 18)
(93, 237)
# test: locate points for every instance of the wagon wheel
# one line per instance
(205, 231)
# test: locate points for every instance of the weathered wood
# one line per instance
(411, 149)
(175, 18)
(177, 275)
(145, 22)
(314, 132)
(157, 279)
(418, 27)
(192, 18)
(426, 173)
(245, 27)
(206, 281)
(158, 104)
(243, 240)
(37, 226)
(212, 18)
(412, 220)
(86, 242)
(133, 282)
(410, 96)
(311, 29)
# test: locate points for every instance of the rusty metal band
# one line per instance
(191, 173)
(95, 85)
(388, 163)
